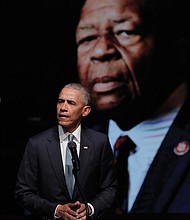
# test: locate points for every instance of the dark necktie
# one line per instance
(69, 168)
(123, 147)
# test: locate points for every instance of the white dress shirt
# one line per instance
(64, 140)
(63, 144)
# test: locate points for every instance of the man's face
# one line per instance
(71, 109)
(113, 51)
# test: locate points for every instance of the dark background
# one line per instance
(36, 59)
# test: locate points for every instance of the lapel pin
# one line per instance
(182, 148)
(86, 147)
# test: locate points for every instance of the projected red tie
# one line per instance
(122, 149)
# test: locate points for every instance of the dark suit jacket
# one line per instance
(166, 188)
(41, 182)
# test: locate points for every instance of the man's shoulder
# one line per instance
(46, 133)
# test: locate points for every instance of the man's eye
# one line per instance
(87, 39)
(125, 33)
(71, 102)
(60, 100)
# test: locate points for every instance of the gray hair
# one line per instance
(86, 95)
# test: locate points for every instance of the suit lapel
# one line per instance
(54, 153)
(85, 151)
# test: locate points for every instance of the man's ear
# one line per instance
(86, 110)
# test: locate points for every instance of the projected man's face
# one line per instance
(114, 51)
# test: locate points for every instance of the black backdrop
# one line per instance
(36, 59)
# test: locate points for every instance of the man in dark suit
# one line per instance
(133, 56)
(41, 186)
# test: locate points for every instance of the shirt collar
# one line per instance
(133, 133)
(63, 135)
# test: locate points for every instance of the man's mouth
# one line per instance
(63, 116)
(105, 87)
(106, 84)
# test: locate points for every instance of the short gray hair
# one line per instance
(86, 95)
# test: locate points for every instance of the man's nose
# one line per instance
(63, 106)
(104, 49)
